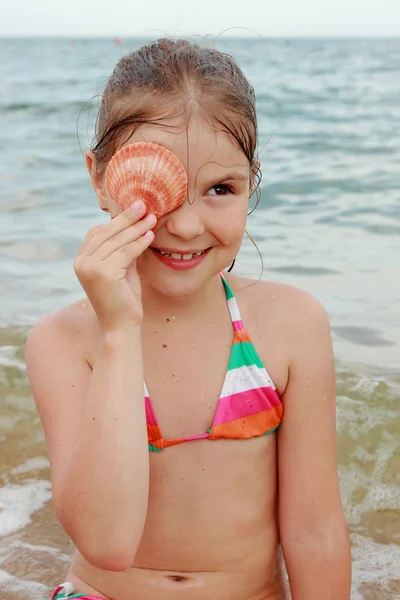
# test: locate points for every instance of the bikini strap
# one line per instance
(232, 306)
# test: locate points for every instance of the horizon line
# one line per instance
(204, 36)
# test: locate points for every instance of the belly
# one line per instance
(152, 584)
(211, 529)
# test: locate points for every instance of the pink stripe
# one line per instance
(237, 325)
(246, 403)
(151, 418)
(197, 437)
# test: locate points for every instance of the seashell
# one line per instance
(148, 172)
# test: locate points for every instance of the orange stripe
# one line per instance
(240, 336)
(248, 427)
(158, 444)
(153, 433)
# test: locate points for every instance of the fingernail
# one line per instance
(150, 219)
(137, 206)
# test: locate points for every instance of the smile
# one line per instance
(178, 256)
(179, 260)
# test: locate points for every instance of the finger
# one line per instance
(127, 236)
(92, 232)
(130, 216)
(125, 255)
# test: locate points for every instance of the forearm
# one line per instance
(319, 568)
(104, 492)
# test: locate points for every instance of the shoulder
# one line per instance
(74, 326)
(292, 308)
(289, 324)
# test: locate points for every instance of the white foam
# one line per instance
(8, 583)
(56, 553)
(33, 464)
(373, 564)
(19, 502)
(8, 358)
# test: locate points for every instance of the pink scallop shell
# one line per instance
(148, 172)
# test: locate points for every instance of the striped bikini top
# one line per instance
(249, 405)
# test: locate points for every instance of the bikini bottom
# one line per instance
(65, 591)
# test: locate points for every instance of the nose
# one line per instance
(185, 222)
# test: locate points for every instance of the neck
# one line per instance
(159, 306)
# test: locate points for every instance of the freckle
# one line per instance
(156, 332)
(168, 320)
(173, 375)
(164, 346)
(94, 419)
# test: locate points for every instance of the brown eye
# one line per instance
(221, 189)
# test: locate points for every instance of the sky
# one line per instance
(287, 18)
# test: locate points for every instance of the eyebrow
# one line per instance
(234, 176)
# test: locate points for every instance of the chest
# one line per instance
(184, 371)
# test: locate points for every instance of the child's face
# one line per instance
(212, 218)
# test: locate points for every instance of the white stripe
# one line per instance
(234, 310)
(244, 379)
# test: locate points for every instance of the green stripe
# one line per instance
(62, 597)
(228, 291)
(271, 430)
(244, 355)
(154, 449)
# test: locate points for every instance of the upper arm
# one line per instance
(59, 377)
(309, 496)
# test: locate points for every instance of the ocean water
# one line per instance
(328, 221)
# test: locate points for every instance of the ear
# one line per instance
(97, 182)
(254, 170)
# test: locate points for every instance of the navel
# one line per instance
(178, 578)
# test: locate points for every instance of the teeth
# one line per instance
(180, 256)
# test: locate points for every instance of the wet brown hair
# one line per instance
(149, 85)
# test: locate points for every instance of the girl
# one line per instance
(189, 413)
